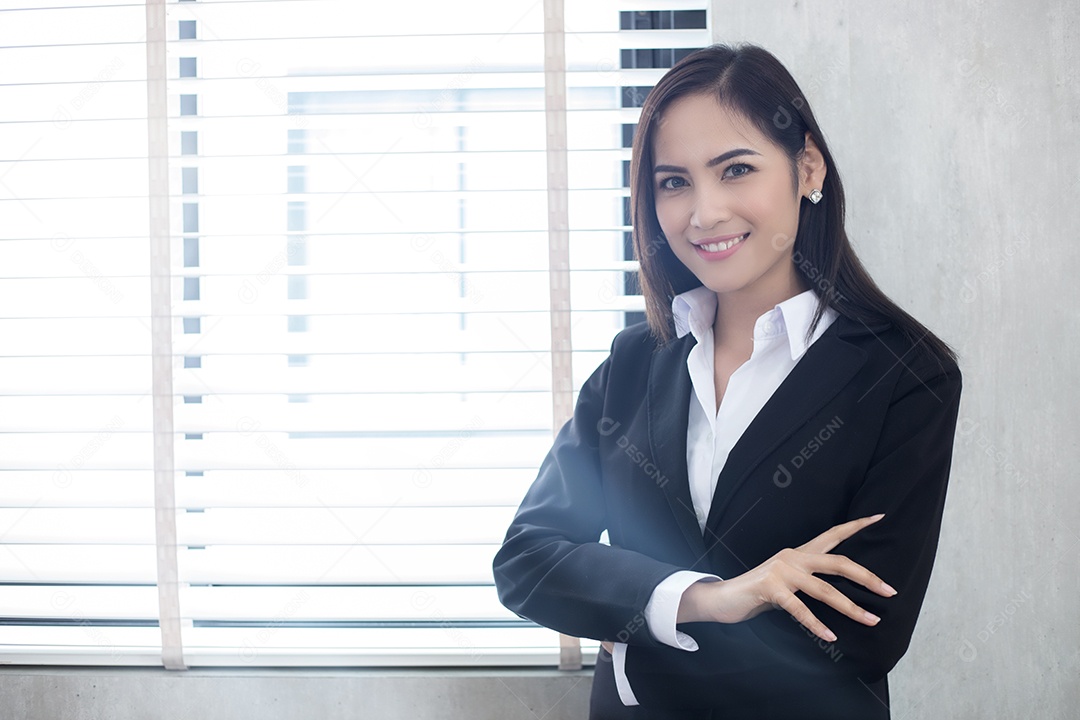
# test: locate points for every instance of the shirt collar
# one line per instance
(695, 310)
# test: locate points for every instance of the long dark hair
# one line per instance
(751, 81)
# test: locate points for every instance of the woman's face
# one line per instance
(724, 196)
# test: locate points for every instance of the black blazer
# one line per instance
(863, 424)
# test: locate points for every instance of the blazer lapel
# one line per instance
(828, 365)
(668, 408)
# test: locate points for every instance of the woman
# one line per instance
(766, 452)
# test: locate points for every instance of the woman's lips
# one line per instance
(720, 249)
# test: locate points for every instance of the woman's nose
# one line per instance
(712, 205)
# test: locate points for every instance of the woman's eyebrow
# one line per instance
(712, 163)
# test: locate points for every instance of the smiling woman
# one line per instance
(741, 117)
(706, 201)
(714, 207)
(766, 341)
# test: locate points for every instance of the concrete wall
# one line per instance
(956, 127)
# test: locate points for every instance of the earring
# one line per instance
(815, 196)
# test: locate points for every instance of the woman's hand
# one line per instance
(774, 583)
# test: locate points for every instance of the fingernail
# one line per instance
(830, 636)
(877, 517)
(871, 617)
(888, 588)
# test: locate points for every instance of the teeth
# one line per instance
(717, 247)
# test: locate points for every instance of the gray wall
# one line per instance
(956, 127)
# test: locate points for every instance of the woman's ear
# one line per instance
(811, 167)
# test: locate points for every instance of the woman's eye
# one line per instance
(745, 170)
(672, 183)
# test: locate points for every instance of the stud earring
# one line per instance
(815, 196)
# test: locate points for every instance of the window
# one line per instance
(311, 457)
(188, 67)
(652, 58)
(191, 217)
(187, 30)
(297, 179)
(189, 105)
(191, 252)
(189, 181)
(189, 143)
(662, 19)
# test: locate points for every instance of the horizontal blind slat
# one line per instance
(434, 486)
(327, 525)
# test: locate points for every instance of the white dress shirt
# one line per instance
(712, 432)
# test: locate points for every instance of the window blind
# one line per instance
(360, 331)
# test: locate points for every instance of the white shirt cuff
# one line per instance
(661, 613)
(662, 610)
(622, 683)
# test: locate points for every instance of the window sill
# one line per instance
(130, 693)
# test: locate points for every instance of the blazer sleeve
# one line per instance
(551, 567)
(907, 480)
